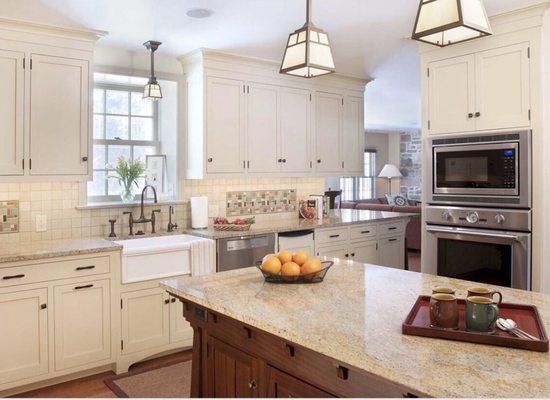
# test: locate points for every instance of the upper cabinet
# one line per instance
(487, 90)
(45, 110)
(245, 119)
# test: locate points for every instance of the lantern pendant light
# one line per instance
(152, 89)
(308, 52)
(446, 22)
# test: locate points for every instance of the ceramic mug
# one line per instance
(443, 289)
(481, 314)
(484, 292)
(444, 311)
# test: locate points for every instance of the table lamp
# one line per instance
(389, 172)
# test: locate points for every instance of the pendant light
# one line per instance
(152, 89)
(308, 52)
(447, 22)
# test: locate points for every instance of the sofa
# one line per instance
(414, 228)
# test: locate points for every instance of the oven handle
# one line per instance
(500, 235)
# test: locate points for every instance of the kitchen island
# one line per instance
(343, 337)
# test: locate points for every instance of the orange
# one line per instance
(300, 257)
(311, 266)
(290, 269)
(272, 265)
(285, 256)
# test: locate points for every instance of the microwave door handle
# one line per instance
(462, 231)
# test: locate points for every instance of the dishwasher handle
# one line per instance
(294, 234)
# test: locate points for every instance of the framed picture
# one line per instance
(156, 172)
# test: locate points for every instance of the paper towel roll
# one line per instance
(199, 212)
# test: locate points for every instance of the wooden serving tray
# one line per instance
(526, 316)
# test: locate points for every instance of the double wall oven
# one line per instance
(478, 213)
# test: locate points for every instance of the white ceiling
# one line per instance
(368, 36)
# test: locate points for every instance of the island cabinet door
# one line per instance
(282, 385)
(231, 372)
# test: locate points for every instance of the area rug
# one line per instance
(171, 381)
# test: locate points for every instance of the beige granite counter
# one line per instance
(54, 248)
(334, 219)
(355, 316)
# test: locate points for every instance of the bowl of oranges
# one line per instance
(298, 267)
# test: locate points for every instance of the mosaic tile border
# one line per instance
(9, 216)
(261, 202)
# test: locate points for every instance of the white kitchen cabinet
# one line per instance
(24, 335)
(392, 252)
(336, 251)
(145, 320)
(59, 117)
(295, 132)
(225, 125)
(180, 329)
(328, 132)
(452, 95)
(82, 323)
(502, 87)
(262, 128)
(354, 135)
(11, 112)
(364, 252)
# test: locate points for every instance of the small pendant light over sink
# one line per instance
(308, 52)
(152, 89)
(446, 22)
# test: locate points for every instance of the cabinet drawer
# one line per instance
(391, 228)
(331, 235)
(362, 231)
(49, 271)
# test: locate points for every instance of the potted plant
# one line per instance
(127, 173)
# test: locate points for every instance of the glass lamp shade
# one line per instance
(446, 22)
(152, 91)
(308, 53)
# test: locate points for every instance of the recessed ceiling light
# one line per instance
(199, 13)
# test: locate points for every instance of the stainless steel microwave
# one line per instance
(492, 170)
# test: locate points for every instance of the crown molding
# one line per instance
(82, 34)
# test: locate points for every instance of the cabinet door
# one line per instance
(180, 329)
(145, 320)
(337, 251)
(24, 333)
(59, 101)
(82, 323)
(354, 135)
(11, 112)
(451, 95)
(282, 385)
(502, 87)
(262, 128)
(225, 125)
(295, 122)
(328, 132)
(365, 252)
(391, 252)
(231, 372)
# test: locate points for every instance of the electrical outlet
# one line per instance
(41, 223)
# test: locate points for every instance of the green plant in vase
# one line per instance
(127, 172)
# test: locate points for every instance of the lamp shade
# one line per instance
(390, 171)
(446, 22)
(152, 91)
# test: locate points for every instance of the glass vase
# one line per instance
(127, 195)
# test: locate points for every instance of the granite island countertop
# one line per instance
(54, 248)
(335, 219)
(355, 316)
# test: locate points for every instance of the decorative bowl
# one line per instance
(315, 277)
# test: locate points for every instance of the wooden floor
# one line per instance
(93, 386)
(414, 261)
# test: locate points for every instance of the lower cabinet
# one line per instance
(180, 330)
(365, 252)
(338, 251)
(392, 252)
(82, 323)
(24, 334)
(280, 384)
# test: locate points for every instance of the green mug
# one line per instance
(481, 314)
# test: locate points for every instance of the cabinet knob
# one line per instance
(470, 115)
(280, 160)
(210, 159)
(284, 160)
(353, 254)
(167, 301)
(478, 114)
(43, 306)
(252, 384)
(84, 159)
(318, 161)
(347, 255)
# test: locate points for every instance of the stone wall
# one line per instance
(411, 164)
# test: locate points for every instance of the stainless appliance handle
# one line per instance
(471, 232)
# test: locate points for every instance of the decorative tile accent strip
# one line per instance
(261, 202)
(9, 216)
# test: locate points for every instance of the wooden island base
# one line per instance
(232, 359)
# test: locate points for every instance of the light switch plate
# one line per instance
(41, 223)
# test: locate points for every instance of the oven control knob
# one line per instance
(500, 219)
(472, 217)
(446, 215)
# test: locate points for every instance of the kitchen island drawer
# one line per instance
(49, 271)
(391, 228)
(327, 236)
(363, 231)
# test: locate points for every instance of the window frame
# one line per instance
(359, 182)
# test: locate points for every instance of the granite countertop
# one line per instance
(335, 218)
(355, 316)
(54, 248)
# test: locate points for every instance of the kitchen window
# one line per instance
(361, 188)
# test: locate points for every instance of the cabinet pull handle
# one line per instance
(13, 277)
(43, 306)
(334, 236)
(392, 240)
(84, 287)
(342, 372)
(85, 268)
(392, 228)
(363, 232)
(252, 384)
(289, 350)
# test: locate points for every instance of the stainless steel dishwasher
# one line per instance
(243, 251)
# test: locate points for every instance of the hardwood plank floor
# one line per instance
(93, 386)
(414, 261)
